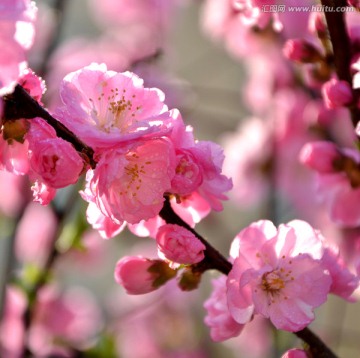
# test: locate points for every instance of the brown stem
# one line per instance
(213, 258)
(317, 348)
(20, 104)
(341, 49)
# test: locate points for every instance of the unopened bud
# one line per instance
(301, 51)
(139, 275)
(336, 93)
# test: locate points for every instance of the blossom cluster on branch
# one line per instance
(119, 144)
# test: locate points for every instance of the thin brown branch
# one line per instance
(20, 104)
(341, 48)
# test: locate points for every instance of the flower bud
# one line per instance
(336, 93)
(295, 353)
(139, 275)
(179, 245)
(301, 51)
(320, 156)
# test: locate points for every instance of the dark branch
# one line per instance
(317, 348)
(20, 104)
(341, 49)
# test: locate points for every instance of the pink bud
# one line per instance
(139, 275)
(336, 93)
(317, 23)
(320, 156)
(295, 353)
(179, 245)
(56, 162)
(354, 3)
(301, 51)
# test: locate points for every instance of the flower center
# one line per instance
(133, 172)
(272, 282)
(114, 111)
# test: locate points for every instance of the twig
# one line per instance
(20, 104)
(341, 49)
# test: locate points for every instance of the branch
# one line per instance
(317, 348)
(341, 49)
(20, 104)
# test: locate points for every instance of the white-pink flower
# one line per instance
(105, 108)
(179, 245)
(277, 273)
(129, 184)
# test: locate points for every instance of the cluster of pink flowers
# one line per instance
(143, 156)
(274, 270)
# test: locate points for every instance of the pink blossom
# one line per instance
(42, 193)
(16, 36)
(128, 185)
(105, 108)
(70, 316)
(53, 160)
(106, 227)
(295, 353)
(12, 193)
(11, 345)
(198, 166)
(340, 190)
(35, 234)
(192, 208)
(301, 51)
(218, 318)
(147, 228)
(336, 93)
(273, 272)
(320, 156)
(180, 245)
(139, 275)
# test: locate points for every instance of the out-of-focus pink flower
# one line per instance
(180, 245)
(16, 36)
(320, 156)
(11, 345)
(248, 170)
(295, 353)
(316, 24)
(35, 234)
(139, 275)
(277, 273)
(11, 193)
(221, 323)
(301, 51)
(70, 316)
(336, 93)
(344, 283)
(339, 189)
(129, 185)
(105, 108)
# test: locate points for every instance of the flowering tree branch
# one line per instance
(213, 259)
(20, 104)
(341, 49)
